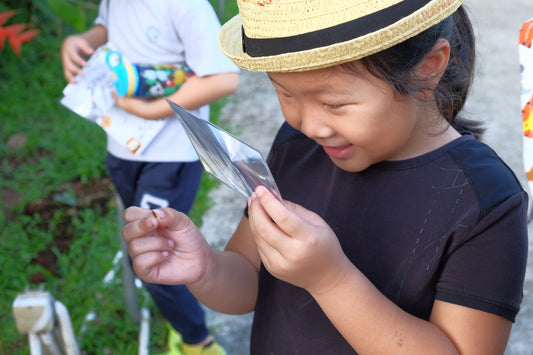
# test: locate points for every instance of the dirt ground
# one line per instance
(66, 201)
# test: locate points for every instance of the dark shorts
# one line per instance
(155, 185)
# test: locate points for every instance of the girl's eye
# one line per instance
(284, 96)
(332, 106)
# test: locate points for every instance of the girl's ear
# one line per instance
(434, 64)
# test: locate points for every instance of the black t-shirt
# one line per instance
(449, 225)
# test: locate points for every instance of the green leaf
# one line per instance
(74, 15)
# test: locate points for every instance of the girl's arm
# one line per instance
(373, 324)
(472, 331)
(230, 285)
(195, 92)
(298, 247)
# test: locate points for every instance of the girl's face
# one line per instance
(357, 118)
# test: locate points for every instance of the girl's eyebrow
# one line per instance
(338, 91)
(274, 81)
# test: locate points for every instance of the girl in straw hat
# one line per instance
(404, 234)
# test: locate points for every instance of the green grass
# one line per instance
(62, 148)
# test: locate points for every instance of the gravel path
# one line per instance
(253, 113)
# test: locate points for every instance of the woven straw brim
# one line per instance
(230, 42)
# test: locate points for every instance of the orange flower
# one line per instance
(15, 34)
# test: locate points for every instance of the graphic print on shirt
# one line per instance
(454, 181)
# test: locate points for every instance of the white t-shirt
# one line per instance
(165, 32)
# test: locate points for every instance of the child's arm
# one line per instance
(195, 92)
(76, 48)
(231, 284)
(167, 248)
(298, 247)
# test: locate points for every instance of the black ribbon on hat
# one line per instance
(262, 47)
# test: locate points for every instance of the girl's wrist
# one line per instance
(339, 277)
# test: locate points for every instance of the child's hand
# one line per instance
(74, 50)
(165, 246)
(295, 244)
(134, 105)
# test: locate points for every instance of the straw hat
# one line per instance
(298, 35)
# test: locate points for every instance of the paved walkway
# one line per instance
(255, 115)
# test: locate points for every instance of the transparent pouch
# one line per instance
(225, 157)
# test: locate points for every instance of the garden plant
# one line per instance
(58, 216)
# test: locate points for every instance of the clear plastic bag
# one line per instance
(225, 157)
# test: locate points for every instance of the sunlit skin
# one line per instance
(358, 119)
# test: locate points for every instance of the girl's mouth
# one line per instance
(340, 152)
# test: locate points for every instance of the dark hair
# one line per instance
(395, 65)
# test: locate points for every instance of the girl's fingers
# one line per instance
(145, 264)
(272, 240)
(133, 213)
(174, 220)
(149, 244)
(283, 214)
(168, 222)
(140, 221)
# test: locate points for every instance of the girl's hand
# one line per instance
(296, 245)
(165, 246)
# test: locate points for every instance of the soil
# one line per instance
(66, 202)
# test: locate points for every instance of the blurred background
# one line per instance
(58, 215)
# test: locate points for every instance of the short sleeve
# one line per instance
(101, 19)
(486, 271)
(198, 31)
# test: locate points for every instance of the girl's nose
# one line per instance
(314, 125)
